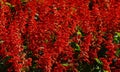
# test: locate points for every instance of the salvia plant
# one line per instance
(59, 35)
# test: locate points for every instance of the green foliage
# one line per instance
(12, 7)
(96, 67)
(33, 67)
(9, 4)
(25, 47)
(117, 52)
(5, 60)
(98, 61)
(117, 37)
(79, 31)
(65, 64)
(102, 52)
(105, 71)
(75, 46)
(3, 65)
(84, 67)
(24, 1)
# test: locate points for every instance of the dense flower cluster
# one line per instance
(59, 35)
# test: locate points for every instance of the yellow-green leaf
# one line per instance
(65, 64)
(9, 4)
(98, 61)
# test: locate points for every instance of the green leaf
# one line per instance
(65, 64)
(5, 60)
(97, 67)
(75, 46)
(46, 41)
(105, 71)
(79, 33)
(117, 37)
(9, 4)
(118, 33)
(117, 52)
(24, 1)
(98, 61)
(84, 67)
(25, 47)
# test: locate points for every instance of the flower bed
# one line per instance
(59, 36)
